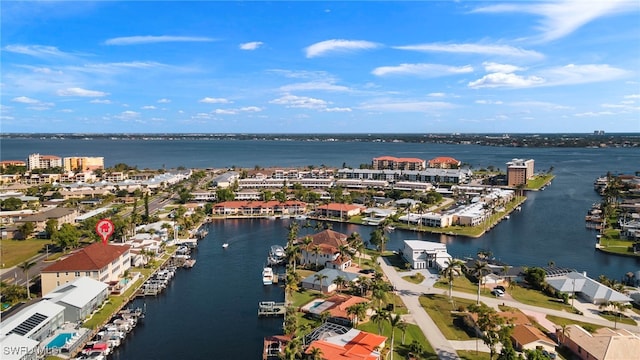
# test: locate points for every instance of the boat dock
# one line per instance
(271, 308)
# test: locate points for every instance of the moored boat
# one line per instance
(267, 276)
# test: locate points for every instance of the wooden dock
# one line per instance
(271, 308)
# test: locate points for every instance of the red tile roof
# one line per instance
(362, 347)
(91, 258)
(328, 240)
(339, 207)
(444, 159)
(526, 334)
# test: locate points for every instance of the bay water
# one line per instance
(210, 311)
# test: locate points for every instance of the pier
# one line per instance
(271, 308)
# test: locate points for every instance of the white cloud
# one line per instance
(489, 102)
(149, 107)
(593, 114)
(293, 101)
(66, 110)
(251, 109)
(501, 50)
(501, 68)
(251, 45)
(210, 100)
(164, 101)
(562, 18)
(225, 111)
(406, 106)
(426, 70)
(338, 45)
(135, 40)
(539, 105)
(314, 85)
(40, 51)
(25, 100)
(437, 94)
(564, 75)
(338, 109)
(128, 115)
(633, 96)
(506, 80)
(100, 101)
(75, 91)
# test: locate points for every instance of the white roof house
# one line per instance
(587, 288)
(79, 297)
(425, 254)
(16, 347)
(35, 322)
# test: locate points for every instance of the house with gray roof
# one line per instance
(328, 285)
(79, 297)
(586, 288)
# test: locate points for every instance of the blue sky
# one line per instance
(322, 67)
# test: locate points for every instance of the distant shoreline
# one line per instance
(542, 140)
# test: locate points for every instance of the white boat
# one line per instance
(277, 251)
(225, 245)
(267, 276)
(301, 217)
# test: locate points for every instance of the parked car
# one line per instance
(497, 292)
(500, 287)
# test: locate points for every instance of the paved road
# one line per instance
(410, 293)
(446, 349)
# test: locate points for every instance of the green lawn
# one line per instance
(416, 278)
(400, 349)
(564, 321)
(539, 181)
(440, 310)
(304, 296)
(472, 355)
(15, 252)
(616, 318)
(537, 298)
(462, 284)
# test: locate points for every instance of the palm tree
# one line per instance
(402, 325)
(340, 282)
(25, 266)
(359, 311)
(320, 278)
(480, 269)
(394, 321)
(315, 353)
(293, 254)
(378, 318)
(451, 269)
(316, 252)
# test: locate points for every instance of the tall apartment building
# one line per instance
(83, 163)
(519, 171)
(394, 163)
(37, 161)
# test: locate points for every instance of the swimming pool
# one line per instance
(59, 340)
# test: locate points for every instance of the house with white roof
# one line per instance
(329, 277)
(36, 322)
(16, 347)
(586, 288)
(425, 254)
(79, 297)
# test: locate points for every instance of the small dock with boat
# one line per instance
(271, 308)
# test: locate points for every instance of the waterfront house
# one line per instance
(602, 344)
(259, 208)
(586, 288)
(79, 297)
(226, 179)
(328, 277)
(338, 210)
(425, 254)
(36, 321)
(102, 262)
(354, 344)
(324, 250)
(336, 306)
